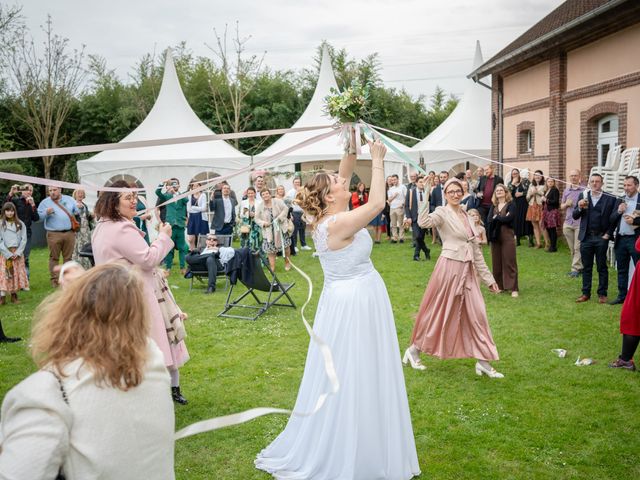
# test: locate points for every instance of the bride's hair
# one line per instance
(311, 196)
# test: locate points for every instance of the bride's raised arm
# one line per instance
(348, 162)
(348, 223)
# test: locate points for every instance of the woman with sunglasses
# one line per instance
(452, 320)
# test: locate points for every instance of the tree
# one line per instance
(45, 86)
(440, 107)
(237, 77)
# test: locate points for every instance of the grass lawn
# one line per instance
(547, 419)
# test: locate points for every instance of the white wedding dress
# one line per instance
(364, 430)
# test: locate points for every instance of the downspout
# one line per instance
(499, 120)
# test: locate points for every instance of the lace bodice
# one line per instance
(348, 262)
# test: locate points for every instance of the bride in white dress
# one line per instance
(364, 430)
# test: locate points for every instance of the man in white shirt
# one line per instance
(208, 260)
(224, 212)
(395, 198)
(626, 217)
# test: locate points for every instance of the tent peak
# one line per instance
(477, 59)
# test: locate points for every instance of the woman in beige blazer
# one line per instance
(271, 215)
(452, 320)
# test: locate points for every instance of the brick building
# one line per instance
(568, 90)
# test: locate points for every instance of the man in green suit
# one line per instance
(176, 217)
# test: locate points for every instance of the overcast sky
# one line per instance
(421, 43)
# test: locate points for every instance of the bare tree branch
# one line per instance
(45, 85)
(239, 74)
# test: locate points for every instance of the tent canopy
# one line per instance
(328, 149)
(170, 117)
(468, 128)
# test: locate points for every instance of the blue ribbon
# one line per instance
(387, 141)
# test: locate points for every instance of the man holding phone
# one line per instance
(176, 216)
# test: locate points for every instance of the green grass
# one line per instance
(546, 419)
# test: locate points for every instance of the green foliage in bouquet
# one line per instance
(348, 106)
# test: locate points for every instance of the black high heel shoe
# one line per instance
(177, 396)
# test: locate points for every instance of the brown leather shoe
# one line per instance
(14, 298)
(582, 298)
(602, 299)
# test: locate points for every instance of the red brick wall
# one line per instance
(557, 116)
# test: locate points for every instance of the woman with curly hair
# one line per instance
(364, 429)
(99, 407)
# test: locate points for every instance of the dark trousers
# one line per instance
(484, 212)
(299, 228)
(594, 246)
(227, 229)
(625, 251)
(418, 234)
(209, 263)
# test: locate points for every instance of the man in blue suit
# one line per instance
(596, 229)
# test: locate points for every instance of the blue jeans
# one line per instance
(594, 245)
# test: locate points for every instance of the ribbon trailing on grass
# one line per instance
(242, 417)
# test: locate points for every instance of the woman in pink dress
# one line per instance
(452, 320)
(116, 238)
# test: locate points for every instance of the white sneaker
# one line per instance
(306, 247)
(296, 249)
(26, 289)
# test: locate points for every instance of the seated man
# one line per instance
(208, 259)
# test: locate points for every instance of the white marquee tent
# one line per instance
(170, 117)
(325, 153)
(468, 128)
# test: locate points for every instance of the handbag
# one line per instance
(290, 226)
(75, 224)
(244, 229)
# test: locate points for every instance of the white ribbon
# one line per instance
(49, 152)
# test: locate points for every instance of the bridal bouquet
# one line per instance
(350, 105)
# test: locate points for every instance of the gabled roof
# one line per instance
(572, 24)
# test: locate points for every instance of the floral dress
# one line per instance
(83, 236)
(253, 239)
(277, 238)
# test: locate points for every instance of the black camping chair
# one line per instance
(264, 280)
(202, 275)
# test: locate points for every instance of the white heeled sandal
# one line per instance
(492, 373)
(409, 359)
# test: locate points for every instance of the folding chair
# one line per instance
(203, 275)
(264, 283)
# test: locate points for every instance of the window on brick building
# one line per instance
(526, 141)
(607, 137)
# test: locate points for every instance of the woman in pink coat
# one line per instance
(116, 238)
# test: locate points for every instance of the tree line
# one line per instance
(53, 96)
